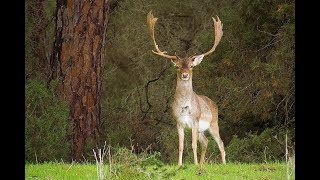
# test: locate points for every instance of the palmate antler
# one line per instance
(217, 34)
(151, 20)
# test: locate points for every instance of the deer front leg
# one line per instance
(195, 129)
(181, 139)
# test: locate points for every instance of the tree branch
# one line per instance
(147, 93)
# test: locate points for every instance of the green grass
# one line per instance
(213, 171)
(60, 171)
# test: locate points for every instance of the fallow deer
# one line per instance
(191, 110)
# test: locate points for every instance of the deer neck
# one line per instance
(184, 89)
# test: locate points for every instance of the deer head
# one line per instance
(184, 65)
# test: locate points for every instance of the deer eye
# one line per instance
(191, 66)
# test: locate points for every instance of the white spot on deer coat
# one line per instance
(187, 122)
(203, 125)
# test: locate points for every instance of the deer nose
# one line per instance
(185, 75)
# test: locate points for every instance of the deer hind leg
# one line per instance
(214, 131)
(204, 143)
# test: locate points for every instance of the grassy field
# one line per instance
(213, 171)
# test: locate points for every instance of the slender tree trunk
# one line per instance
(77, 60)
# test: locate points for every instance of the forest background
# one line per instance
(250, 76)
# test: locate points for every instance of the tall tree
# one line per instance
(77, 61)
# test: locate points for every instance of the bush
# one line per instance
(126, 164)
(168, 140)
(265, 147)
(46, 124)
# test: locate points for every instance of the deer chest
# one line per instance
(184, 117)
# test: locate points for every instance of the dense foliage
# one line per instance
(46, 128)
(250, 75)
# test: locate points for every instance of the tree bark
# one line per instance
(77, 60)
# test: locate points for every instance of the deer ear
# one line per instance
(197, 59)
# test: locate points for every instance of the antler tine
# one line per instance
(218, 34)
(151, 21)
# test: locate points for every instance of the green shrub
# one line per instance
(265, 147)
(126, 164)
(46, 124)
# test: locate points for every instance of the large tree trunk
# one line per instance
(77, 60)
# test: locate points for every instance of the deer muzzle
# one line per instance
(184, 76)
